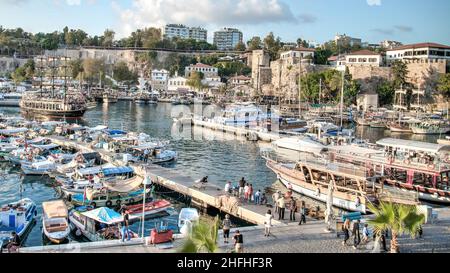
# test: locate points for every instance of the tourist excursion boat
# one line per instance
(244, 114)
(353, 189)
(431, 128)
(55, 225)
(107, 198)
(48, 105)
(97, 224)
(18, 217)
(419, 168)
(110, 96)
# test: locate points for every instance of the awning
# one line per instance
(13, 131)
(124, 186)
(115, 132)
(55, 209)
(45, 147)
(411, 145)
(104, 215)
(93, 170)
(117, 171)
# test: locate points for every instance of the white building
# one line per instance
(390, 44)
(177, 83)
(419, 51)
(207, 70)
(347, 40)
(159, 80)
(364, 57)
(240, 80)
(227, 38)
(300, 52)
(170, 31)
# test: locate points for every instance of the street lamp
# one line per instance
(147, 181)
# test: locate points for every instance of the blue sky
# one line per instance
(407, 21)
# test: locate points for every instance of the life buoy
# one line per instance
(407, 161)
(119, 202)
(108, 203)
(131, 200)
(94, 205)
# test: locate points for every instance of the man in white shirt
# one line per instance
(228, 187)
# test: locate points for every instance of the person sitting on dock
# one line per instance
(263, 199)
(228, 188)
(15, 243)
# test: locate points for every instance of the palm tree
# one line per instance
(398, 218)
(203, 238)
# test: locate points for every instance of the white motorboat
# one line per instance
(435, 128)
(300, 144)
(244, 114)
(18, 217)
(39, 168)
(55, 225)
(187, 218)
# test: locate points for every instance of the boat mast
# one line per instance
(320, 91)
(300, 90)
(342, 98)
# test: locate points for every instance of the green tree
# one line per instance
(254, 43)
(386, 93)
(123, 73)
(195, 80)
(272, 45)
(444, 85)
(203, 238)
(302, 43)
(94, 70)
(108, 38)
(25, 72)
(227, 69)
(397, 218)
(76, 67)
(321, 56)
(400, 72)
(240, 47)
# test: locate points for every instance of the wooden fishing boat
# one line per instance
(151, 209)
(353, 188)
(55, 225)
(97, 224)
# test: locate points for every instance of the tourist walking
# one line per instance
(125, 226)
(275, 198)
(247, 186)
(238, 242)
(302, 213)
(365, 233)
(241, 187)
(258, 197)
(226, 228)
(356, 234)
(346, 230)
(293, 209)
(281, 207)
(250, 193)
(268, 223)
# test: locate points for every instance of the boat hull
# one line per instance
(47, 113)
(337, 202)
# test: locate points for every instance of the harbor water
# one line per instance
(201, 152)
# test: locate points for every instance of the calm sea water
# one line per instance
(201, 153)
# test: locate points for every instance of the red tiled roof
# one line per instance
(200, 65)
(304, 49)
(333, 58)
(364, 52)
(241, 77)
(421, 45)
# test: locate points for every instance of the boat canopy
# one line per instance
(411, 145)
(355, 150)
(93, 170)
(55, 209)
(98, 128)
(124, 186)
(104, 215)
(117, 171)
(115, 132)
(13, 131)
(45, 147)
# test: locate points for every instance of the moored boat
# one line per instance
(18, 217)
(55, 225)
(150, 209)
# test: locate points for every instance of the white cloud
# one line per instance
(207, 13)
(374, 2)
